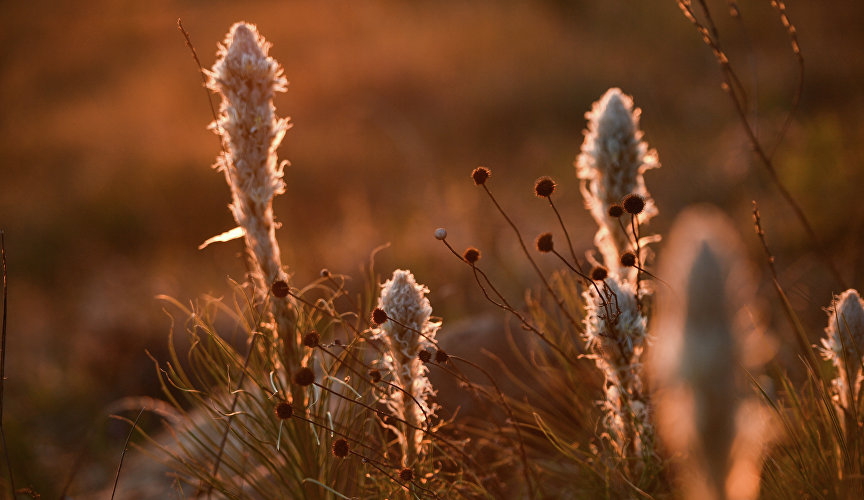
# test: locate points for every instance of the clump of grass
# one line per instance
(282, 391)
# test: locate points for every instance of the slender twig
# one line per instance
(3, 362)
(566, 233)
(200, 71)
(730, 78)
(123, 454)
(635, 226)
(540, 274)
(390, 384)
(505, 305)
(792, 33)
(587, 280)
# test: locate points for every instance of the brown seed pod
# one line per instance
(279, 289)
(441, 356)
(406, 474)
(284, 410)
(304, 376)
(379, 316)
(628, 259)
(599, 273)
(311, 339)
(374, 376)
(633, 204)
(424, 356)
(471, 255)
(615, 210)
(341, 448)
(480, 174)
(544, 187)
(544, 243)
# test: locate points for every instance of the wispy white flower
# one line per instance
(247, 79)
(615, 334)
(705, 413)
(843, 345)
(408, 312)
(611, 165)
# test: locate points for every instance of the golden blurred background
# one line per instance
(106, 188)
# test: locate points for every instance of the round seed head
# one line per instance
(340, 448)
(379, 316)
(284, 410)
(311, 339)
(424, 356)
(628, 259)
(480, 174)
(374, 376)
(615, 210)
(441, 356)
(325, 273)
(279, 288)
(304, 376)
(406, 474)
(471, 255)
(544, 243)
(544, 187)
(440, 233)
(633, 204)
(599, 273)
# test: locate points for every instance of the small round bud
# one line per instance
(615, 210)
(379, 316)
(374, 376)
(340, 448)
(480, 174)
(284, 410)
(544, 187)
(628, 259)
(440, 233)
(406, 474)
(441, 356)
(425, 356)
(325, 273)
(599, 273)
(279, 288)
(544, 243)
(304, 376)
(312, 339)
(471, 255)
(633, 204)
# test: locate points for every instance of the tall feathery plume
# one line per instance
(615, 333)
(247, 78)
(611, 165)
(843, 345)
(714, 426)
(408, 310)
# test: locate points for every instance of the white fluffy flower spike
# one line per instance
(843, 345)
(611, 165)
(408, 312)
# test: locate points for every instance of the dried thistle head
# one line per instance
(480, 175)
(706, 414)
(544, 243)
(544, 187)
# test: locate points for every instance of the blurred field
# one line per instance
(106, 189)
